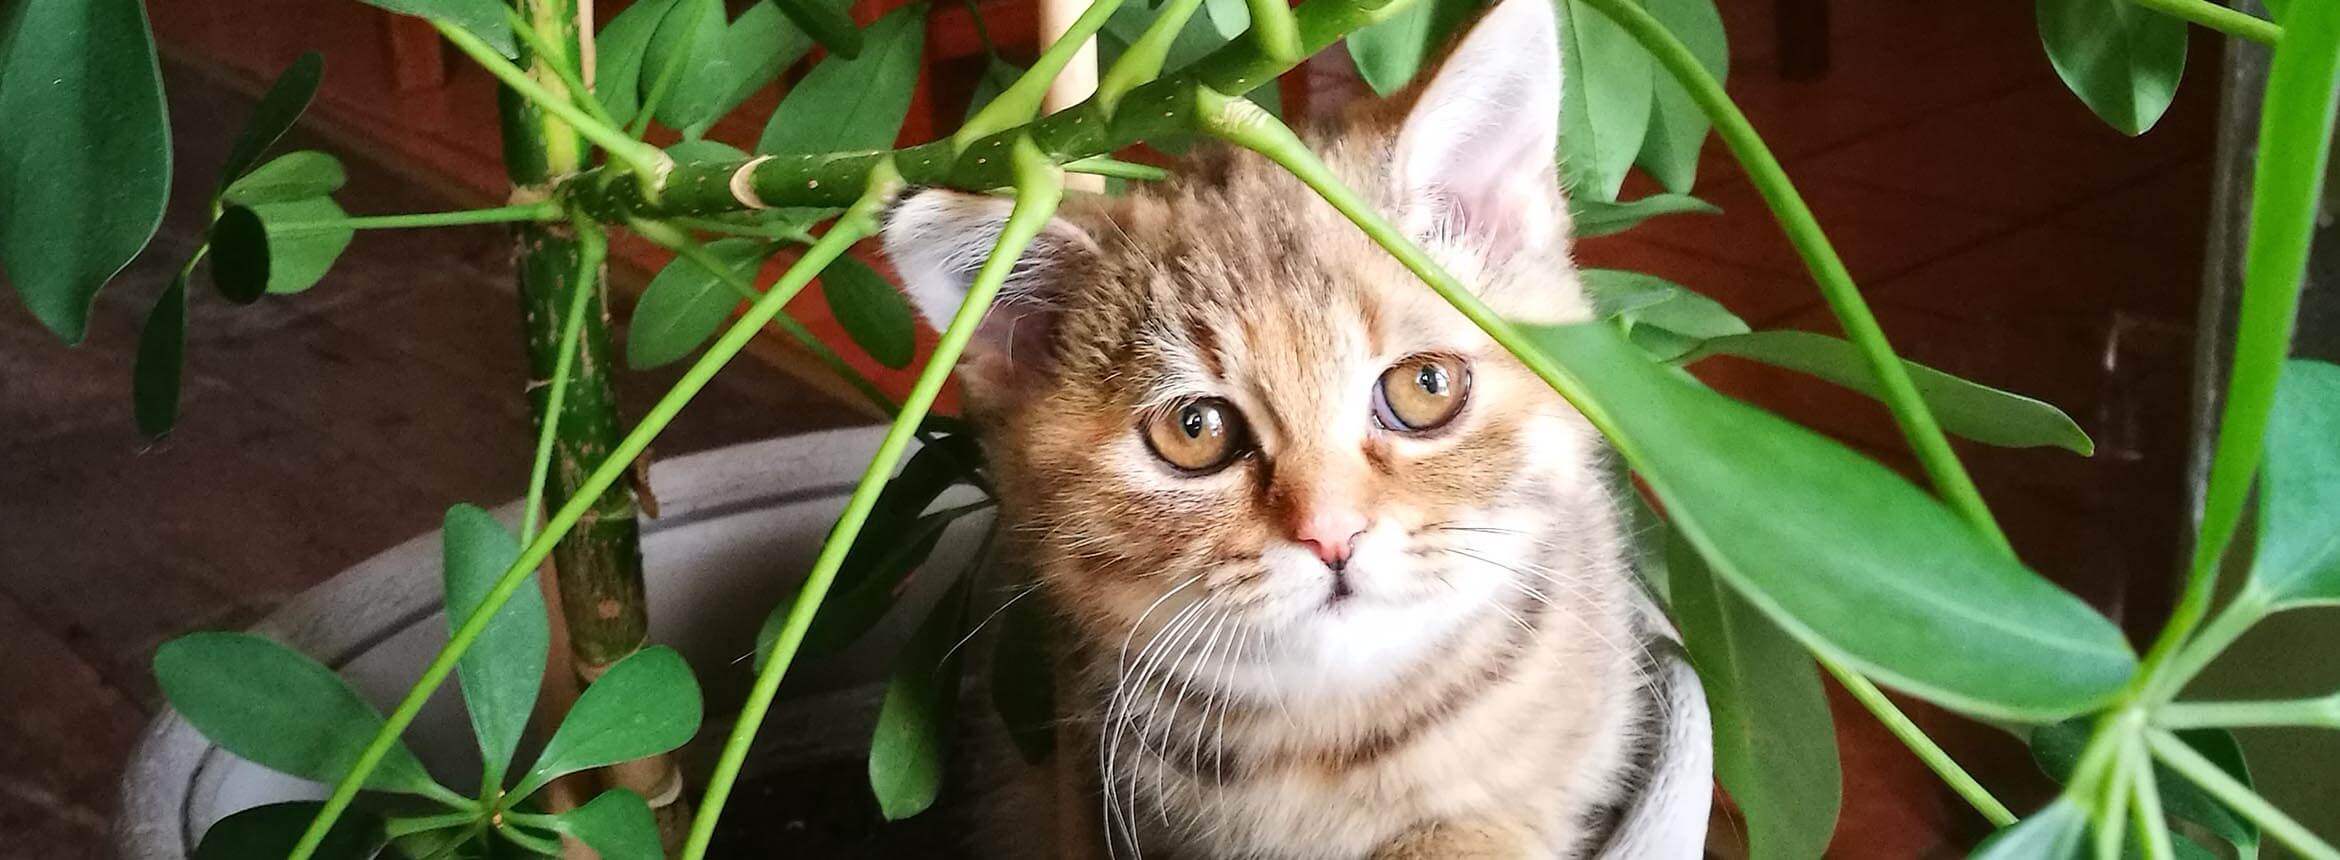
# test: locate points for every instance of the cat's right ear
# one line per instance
(939, 238)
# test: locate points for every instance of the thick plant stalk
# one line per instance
(598, 564)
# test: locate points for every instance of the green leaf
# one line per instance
(760, 45)
(2056, 748)
(292, 176)
(272, 831)
(279, 709)
(914, 726)
(1677, 127)
(998, 75)
(1605, 96)
(618, 52)
(1665, 319)
(501, 672)
(239, 255)
(685, 71)
(871, 311)
(1023, 681)
(849, 103)
(1839, 551)
(85, 164)
(828, 24)
(2122, 59)
(704, 150)
(1389, 52)
(894, 540)
(162, 346)
(1600, 218)
(1973, 410)
(482, 18)
(685, 304)
(2298, 557)
(304, 238)
(286, 99)
(1774, 743)
(645, 705)
(1229, 18)
(618, 825)
(2055, 833)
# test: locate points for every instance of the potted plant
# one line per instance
(1760, 598)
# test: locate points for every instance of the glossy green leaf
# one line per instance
(1592, 217)
(1677, 126)
(853, 103)
(685, 304)
(1229, 18)
(500, 673)
(827, 22)
(2058, 832)
(2122, 59)
(278, 709)
(2056, 748)
(871, 311)
(1605, 98)
(283, 105)
(1389, 52)
(272, 831)
(304, 238)
(895, 539)
(618, 54)
(2298, 557)
(1665, 319)
(618, 825)
(85, 163)
(1774, 742)
(292, 176)
(1023, 681)
(1973, 410)
(482, 18)
(914, 726)
(162, 347)
(704, 150)
(646, 704)
(760, 45)
(1842, 553)
(686, 73)
(239, 255)
(448, 843)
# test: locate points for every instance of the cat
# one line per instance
(1333, 576)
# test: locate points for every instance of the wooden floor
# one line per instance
(2001, 232)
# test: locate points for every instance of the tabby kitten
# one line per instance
(1335, 577)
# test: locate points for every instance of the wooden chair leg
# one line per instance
(1801, 37)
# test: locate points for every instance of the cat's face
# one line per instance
(1219, 414)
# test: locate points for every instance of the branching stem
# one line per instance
(2238, 797)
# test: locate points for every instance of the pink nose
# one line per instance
(1331, 534)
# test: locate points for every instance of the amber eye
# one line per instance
(1198, 435)
(1421, 393)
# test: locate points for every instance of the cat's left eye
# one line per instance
(1421, 393)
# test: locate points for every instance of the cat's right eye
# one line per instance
(1198, 436)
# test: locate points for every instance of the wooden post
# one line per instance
(1077, 82)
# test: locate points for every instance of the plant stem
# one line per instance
(540, 211)
(1102, 166)
(2241, 25)
(775, 232)
(2320, 713)
(1899, 394)
(859, 222)
(1020, 102)
(648, 162)
(2111, 822)
(2237, 796)
(1039, 187)
(1244, 124)
(1272, 27)
(2239, 616)
(579, 94)
(2295, 132)
(1142, 61)
(1907, 731)
(594, 246)
(2145, 806)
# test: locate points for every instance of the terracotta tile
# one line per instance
(1878, 233)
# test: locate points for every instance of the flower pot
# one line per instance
(737, 529)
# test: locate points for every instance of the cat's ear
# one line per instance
(939, 238)
(1475, 156)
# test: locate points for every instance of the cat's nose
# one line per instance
(1331, 533)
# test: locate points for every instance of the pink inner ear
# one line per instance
(1011, 348)
(1477, 150)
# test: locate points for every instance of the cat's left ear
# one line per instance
(1475, 156)
(939, 238)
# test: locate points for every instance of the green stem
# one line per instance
(579, 94)
(2287, 183)
(857, 223)
(396, 827)
(1103, 166)
(1242, 123)
(775, 232)
(593, 247)
(532, 842)
(2319, 713)
(1899, 394)
(1143, 60)
(2237, 796)
(2111, 824)
(2145, 806)
(1273, 27)
(1039, 188)
(1020, 102)
(541, 211)
(648, 162)
(2241, 25)
(1907, 731)
(2239, 616)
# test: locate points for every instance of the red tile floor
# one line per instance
(1999, 230)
